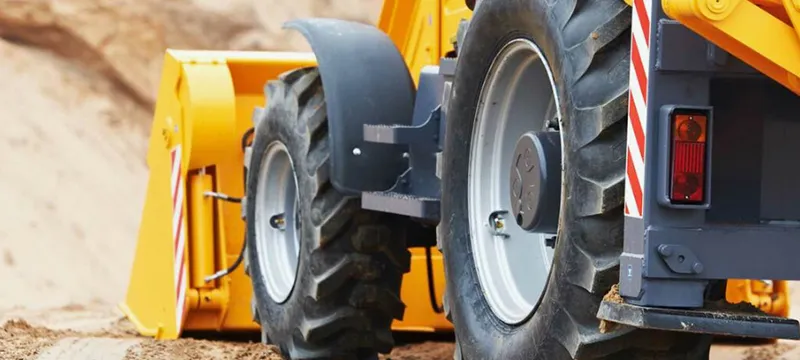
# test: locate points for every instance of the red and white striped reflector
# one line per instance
(178, 236)
(637, 108)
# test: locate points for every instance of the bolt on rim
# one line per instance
(276, 225)
(518, 97)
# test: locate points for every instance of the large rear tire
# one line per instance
(326, 274)
(585, 47)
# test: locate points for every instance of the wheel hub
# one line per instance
(276, 222)
(517, 105)
(536, 181)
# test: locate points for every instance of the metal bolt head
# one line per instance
(278, 222)
(665, 250)
(717, 6)
(499, 224)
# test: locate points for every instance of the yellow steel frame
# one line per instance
(765, 34)
(423, 30)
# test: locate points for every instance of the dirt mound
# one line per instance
(79, 84)
(125, 40)
(190, 349)
(423, 351)
(72, 179)
(20, 340)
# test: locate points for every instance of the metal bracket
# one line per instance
(404, 134)
(396, 201)
(412, 194)
(680, 259)
(417, 191)
(708, 320)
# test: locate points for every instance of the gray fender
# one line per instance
(366, 81)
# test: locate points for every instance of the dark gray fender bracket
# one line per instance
(366, 81)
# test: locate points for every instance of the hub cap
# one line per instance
(536, 181)
(277, 229)
(518, 100)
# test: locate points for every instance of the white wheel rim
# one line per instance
(278, 249)
(519, 95)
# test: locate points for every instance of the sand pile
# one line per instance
(79, 80)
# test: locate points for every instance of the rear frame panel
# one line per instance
(750, 225)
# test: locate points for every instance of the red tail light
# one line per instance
(688, 158)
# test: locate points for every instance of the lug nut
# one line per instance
(278, 222)
(497, 223)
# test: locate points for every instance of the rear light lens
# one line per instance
(688, 158)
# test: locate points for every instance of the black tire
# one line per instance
(347, 289)
(587, 43)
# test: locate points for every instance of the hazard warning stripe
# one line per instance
(637, 109)
(178, 235)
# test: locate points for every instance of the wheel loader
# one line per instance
(535, 176)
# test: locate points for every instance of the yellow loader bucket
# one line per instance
(204, 108)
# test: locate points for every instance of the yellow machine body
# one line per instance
(204, 107)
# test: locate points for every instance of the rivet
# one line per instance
(717, 6)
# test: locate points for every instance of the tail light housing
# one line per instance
(688, 158)
(687, 136)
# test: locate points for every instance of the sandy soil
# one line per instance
(79, 80)
(72, 179)
(188, 349)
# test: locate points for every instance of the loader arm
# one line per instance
(765, 34)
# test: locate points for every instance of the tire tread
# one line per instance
(593, 37)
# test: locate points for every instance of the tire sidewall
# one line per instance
(479, 331)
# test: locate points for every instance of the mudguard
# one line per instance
(366, 81)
